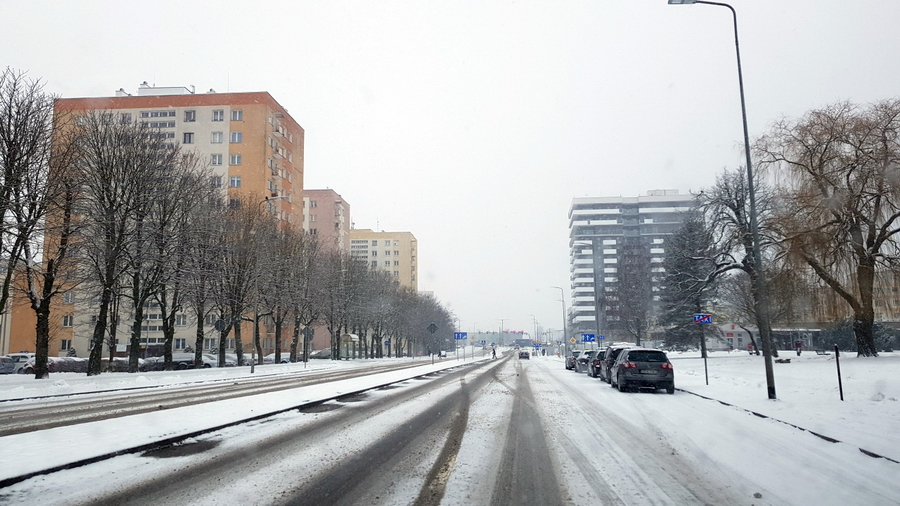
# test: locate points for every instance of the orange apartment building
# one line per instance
(254, 148)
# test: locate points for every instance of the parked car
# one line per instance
(595, 363)
(321, 354)
(7, 365)
(270, 358)
(643, 368)
(571, 358)
(525, 355)
(20, 359)
(213, 360)
(610, 354)
(581, 364)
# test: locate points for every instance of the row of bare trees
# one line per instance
(829, 212)
(94, 201)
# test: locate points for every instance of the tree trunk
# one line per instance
(238, 344)
(134, 351)
(223, 340)
(279, 324)
(198, 338)
(295, 339)
(864, 316)
(42, 341)
(96, 351)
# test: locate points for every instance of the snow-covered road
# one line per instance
(516, 431)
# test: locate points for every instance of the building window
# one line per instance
(387, 263)
(180, 344)
(313, 231)
(237, 115)
(313, 203)
(188, 138)
(126, 118)
(396, 252)
(68, 320)
(237, 137)
(215, 181)
(69, 298)
(374, 264)
(374, 253)
(180, 320)
(217, 138)
(218, 115)
(235, 159)
(396, 263)
(374, 242)
(65, 344)
(235, 182)
(396, 274)
(190, 116)
(312, 217)
(215, 159)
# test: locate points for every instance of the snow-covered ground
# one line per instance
(589, 426)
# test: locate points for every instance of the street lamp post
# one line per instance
(562, 298)
(762, 311)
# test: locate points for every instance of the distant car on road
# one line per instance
(643, 368)
(581, 365)
(525, 355)
(571, 358)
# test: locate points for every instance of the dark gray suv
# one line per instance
(643, 368)
(610, 355)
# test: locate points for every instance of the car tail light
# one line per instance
(667, 365)
(629, 365)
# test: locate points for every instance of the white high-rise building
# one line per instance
(604, 232)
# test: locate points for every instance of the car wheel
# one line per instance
(670, 389)
(593, 373)
(623, 387)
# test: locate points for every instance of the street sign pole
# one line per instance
(703, 319)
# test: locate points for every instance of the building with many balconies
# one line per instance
(605, 233)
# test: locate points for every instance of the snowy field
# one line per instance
(775, 457)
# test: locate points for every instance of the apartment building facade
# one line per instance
(326, 216)
(254, 150)
(394, 252)
(605, 233)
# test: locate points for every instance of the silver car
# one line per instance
(643, 368)
(7, 365)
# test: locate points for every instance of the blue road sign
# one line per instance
(587, 338)
(387, 342)
(601, 337)
(483, 342)
(702, 318)
(460, 335)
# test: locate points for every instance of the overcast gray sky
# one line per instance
(472, 124)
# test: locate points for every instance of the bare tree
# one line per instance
(630, 305)
(199, 267)
(37, 196)
(726, 209)
(841, 211)
(118, 159)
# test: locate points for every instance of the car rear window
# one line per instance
(647, 356)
